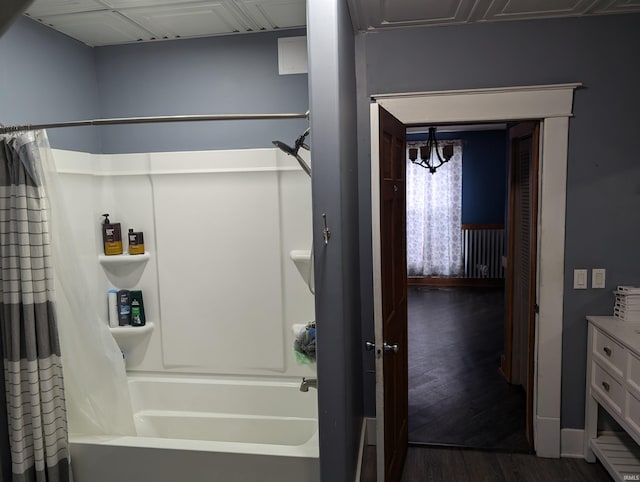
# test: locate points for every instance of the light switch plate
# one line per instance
(598, 277)
(580, 279)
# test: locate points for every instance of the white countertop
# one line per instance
(626, 333)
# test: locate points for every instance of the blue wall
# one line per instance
(484, 174)
(213, 75)
(48, 77)
(335, 178)
(603, 184)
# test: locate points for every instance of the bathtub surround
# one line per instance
(215, 381)
(247, 210)
(33, 379)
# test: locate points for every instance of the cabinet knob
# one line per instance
(606, 386)
(607, 350)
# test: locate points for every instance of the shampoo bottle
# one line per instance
(136, 242)
(137, 309)
(124, 308)
(111, 237)
(113, 308)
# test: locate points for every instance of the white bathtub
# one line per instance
(196, 430)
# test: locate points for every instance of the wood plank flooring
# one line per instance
(458, 397)
(449, 464)
(456, 393)
(442, 464)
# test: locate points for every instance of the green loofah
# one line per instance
(302, 358)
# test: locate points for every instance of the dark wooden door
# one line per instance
(518, 363)
(394, 292)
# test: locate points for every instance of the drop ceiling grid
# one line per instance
(108, 22)
(371, 15)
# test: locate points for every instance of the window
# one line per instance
(434, 216)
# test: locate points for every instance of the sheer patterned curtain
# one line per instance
(434, 216)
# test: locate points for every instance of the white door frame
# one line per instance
(552, 105)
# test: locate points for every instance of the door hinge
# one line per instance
(536, 308)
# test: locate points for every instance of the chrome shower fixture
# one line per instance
(293, 151)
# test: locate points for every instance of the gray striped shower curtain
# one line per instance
(35, 404)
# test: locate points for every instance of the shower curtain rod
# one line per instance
(151, 120)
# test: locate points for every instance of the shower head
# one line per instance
(293, 151)
(285, 148)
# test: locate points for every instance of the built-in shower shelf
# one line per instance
(128, 332)
(302, 259)
(123, 259)
(124, 270)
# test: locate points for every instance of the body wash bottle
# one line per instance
(124, 308)
(136, 242)
(137, 309)
(111, 237)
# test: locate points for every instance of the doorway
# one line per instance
(457, 319)
(553, 105)
(456, 247)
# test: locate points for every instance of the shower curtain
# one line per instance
(35, 254)
(35, 401)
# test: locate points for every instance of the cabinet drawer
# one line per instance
(609, 352)
(632, 412)
(633, 371)
(608, 388)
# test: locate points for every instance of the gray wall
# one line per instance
(333, 124)
(47, 77)
(214, 75)
(603, 187)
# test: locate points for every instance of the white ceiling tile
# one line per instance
(410, 10)
(276, 13)
(192, 20)
(119, 4)
(405, 13)
(105, 22)
(516, 9)
(620, 6)
(41, 8)
(98, 28)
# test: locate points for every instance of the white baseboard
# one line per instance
(371, 431)
(572, 443)
(569, 445)
(547, 437)
(363, 431)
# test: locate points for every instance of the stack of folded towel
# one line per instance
(627, 307)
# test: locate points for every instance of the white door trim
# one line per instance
(552, 105)
(377, 286)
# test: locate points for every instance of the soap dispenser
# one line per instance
(111, 237)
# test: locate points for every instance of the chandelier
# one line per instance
(429, 153)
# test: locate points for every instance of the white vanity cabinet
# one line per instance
(613, 382)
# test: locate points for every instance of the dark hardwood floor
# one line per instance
(445, 464)
(456, 393)
(442, 464)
